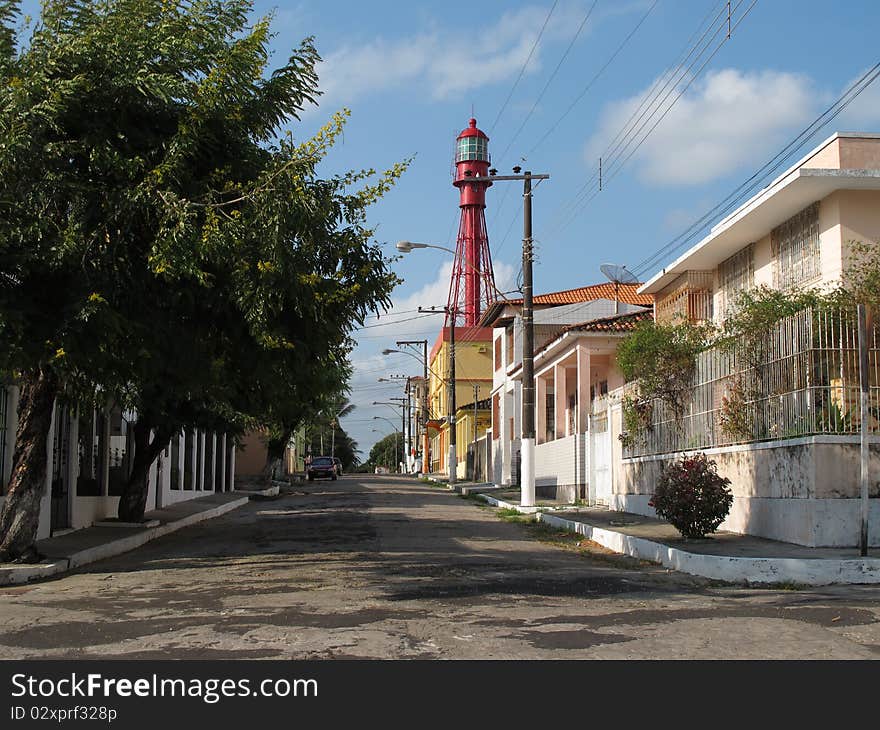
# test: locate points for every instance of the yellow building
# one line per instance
(473, 380)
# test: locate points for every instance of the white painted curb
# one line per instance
(24, 573)
(808, 571)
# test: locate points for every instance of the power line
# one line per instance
(552, 76)
(592, 80)
(523, 69)
(618, 153)
(769, 168)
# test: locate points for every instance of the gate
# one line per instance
(60, 514)
(600, 458)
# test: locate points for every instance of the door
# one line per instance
(600, 458)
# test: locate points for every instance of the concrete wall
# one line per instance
(251, 454)
(800, 490)
(559, 467)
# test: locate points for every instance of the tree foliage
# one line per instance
(164, 243)
(387, 452)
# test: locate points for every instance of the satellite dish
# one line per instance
(618, 274)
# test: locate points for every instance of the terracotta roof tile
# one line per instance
(626, 293)
(617, 323)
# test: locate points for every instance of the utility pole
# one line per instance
(866, 330)
(423, 421)
(451, 462)
(527, 477)
(476, 398)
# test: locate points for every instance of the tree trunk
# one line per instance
(133, 501)
(20, 516)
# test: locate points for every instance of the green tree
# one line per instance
(162, 246)
(387, 452)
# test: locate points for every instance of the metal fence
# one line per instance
(801, 378)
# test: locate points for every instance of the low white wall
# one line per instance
(801, 490)
(555, 462)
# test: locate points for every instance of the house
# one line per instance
(795, 474)
(252, 455)
(553, 313)
(90, 453)
(473, 374)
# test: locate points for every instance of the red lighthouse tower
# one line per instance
(472, 288)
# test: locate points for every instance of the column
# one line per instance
(540, 410)
(560, 399)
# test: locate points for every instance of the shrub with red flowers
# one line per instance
(692, 496)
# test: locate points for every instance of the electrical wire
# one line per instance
(524, 66)
(769, 168)
(631, 138)
(552, 76)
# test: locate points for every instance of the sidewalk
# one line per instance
(724, 556)
(80, 547)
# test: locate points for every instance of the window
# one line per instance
(472, 148)
(795, 247)
(497, 353)
(4, 396)
(736, 275)
(496, 413)
(550, 415)
(509, 333)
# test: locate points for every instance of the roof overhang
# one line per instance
(760, 215)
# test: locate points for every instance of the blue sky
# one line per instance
(412, 73)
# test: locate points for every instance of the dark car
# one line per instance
(321, 467)
(338, 463)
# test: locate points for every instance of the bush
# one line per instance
(692, 496)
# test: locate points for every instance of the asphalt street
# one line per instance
(387, 567)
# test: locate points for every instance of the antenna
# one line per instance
(618, 274)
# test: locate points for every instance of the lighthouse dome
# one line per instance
(472, 144)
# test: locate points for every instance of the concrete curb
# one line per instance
(810, 571)
(60, 564)
(507, 505)
(272, 491)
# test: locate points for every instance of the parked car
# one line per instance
(338, 463)
(322, 467)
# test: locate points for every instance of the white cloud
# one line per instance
(444, 61)
(863, 114)
(725, 121)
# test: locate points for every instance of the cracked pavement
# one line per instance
(388, 567)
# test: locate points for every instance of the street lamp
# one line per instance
(393, 428)
(527, 478)
(407, 246)
(424, 359)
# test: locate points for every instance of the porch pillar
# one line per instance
(560, 401)
(582, 402)
(221, 450)
(540, 410)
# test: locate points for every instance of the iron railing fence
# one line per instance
(801, 378)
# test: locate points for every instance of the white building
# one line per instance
(89, 459)
(554, 313)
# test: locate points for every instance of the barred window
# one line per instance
(796, 249)
(736, 275)
(4, 396)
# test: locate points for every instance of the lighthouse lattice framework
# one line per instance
(472, 288)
